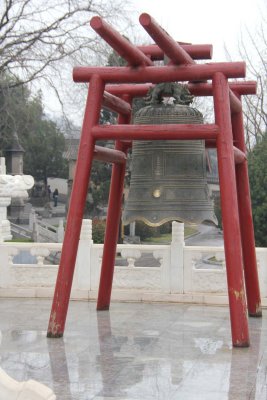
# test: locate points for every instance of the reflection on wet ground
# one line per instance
(134, 351)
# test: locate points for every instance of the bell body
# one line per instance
(168, 177)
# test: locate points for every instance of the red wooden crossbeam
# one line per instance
(239, 156)
(168, 73)
(156, 132)
(235, 103)
(116, 104)
(169, 46)
(133, 90)
(109, 155)
(205, 89)
(196, 51)
(122, 46)
(197, 89)
(210, 144)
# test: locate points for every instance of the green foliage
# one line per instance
(257, 162)
(44, 148)
(163, 233)
(145, 231)
(165, 228)
(41, 139)
(98, 230)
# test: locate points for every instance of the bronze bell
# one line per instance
(168, 177)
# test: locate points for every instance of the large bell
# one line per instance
(168, 177)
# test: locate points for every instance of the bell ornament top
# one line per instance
(178, 91)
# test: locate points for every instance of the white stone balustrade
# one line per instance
(173, 272)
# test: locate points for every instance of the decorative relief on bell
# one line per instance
(168, 178)
(156, 193)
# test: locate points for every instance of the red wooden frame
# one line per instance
(226, 135)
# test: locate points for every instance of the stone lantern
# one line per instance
(14, 166)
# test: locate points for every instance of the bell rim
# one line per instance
(128, 221)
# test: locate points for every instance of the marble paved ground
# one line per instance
(134, 351)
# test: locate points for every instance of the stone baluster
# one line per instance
(177, 258)
(32, 219)
(40, 253)
(35, 232)
(60, 231)
(12, 252)
(82, 276)
(131, 256)
(5, 263)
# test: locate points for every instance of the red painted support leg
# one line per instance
(111, 234)
(76, 209)
(232, 240)
(112, 229)
(246, 223)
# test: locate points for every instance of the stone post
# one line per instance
(35, 232)
(4, 203)
(32, 219)
(83, 268)
(60, 231)
(132, 229)
(5, 254)
(5, 224)
(177, 258)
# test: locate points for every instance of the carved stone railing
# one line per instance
(173, 272)
(39, 231)
(46, 232)
(20, 231)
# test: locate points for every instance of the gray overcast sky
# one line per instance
(206, 21)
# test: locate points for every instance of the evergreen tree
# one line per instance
(42, 141)
(258, 185)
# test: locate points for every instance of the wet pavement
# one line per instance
(134, 351)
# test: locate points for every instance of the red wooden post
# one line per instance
(76, 208)
(232, 240)
(116, 104)
(246, 223)
(109, 155)
(120, 44)
(112, 230)
(172, 49)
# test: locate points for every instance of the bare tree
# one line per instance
(253, 49)
(36, 35)
(41, 40)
